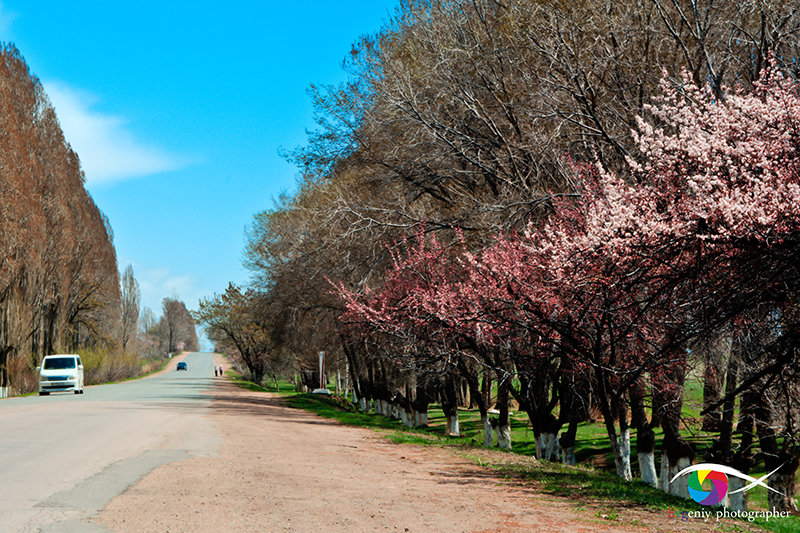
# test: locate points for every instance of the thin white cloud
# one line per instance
(108, 150)
(159, 283)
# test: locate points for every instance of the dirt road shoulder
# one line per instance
(282, 469)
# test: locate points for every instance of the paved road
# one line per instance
(63, 456)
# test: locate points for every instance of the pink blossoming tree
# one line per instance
(613, 288)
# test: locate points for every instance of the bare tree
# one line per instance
(131, 297)
(177, 326)
(147, 320)
(243, 321)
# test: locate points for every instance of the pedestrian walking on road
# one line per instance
(215, 370)
(220, 370)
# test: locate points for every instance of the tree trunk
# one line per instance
(726, 423)
(548, 438)
(479, 399)
(620, 443)
(738, 501)
(713, 350)
(450, 408)
(677, 456)
(488, 434)
(624, 466)
(567, 443)
(504, 418)
(784, 482)
(407, 418)
(679, 487)
(785, 462)
(645, 451)
(407, 415)
(453, 429)
(419, 404)
(486, 387)
(645, 437)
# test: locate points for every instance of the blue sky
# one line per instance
(178, 111)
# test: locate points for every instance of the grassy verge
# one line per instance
(585, 485)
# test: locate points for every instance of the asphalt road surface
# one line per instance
(64, 456)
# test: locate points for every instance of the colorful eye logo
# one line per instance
(717, 478)
(718, 486)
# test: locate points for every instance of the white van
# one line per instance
(63, 372)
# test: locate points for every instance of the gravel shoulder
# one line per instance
(282, 469)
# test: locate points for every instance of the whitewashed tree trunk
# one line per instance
(568, 456)
(504, 437)
(785, 484)
(681, 485)
(736, 502)
(663, 480)
(550, 446)
(452, 426)
(407, 417)
(420, 420)
(624, 452)
(623, 470)
(488, 435)
(647, 467)
(363, 405)
(3, 392)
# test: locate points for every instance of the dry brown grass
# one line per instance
(98, 367)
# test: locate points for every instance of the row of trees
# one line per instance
(59, 284)
(446, 195)
(600, 306)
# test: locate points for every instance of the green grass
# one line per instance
(284, 387)
(592, 480)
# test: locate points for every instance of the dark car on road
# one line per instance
(182, 366)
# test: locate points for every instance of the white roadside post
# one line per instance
(321, 389)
